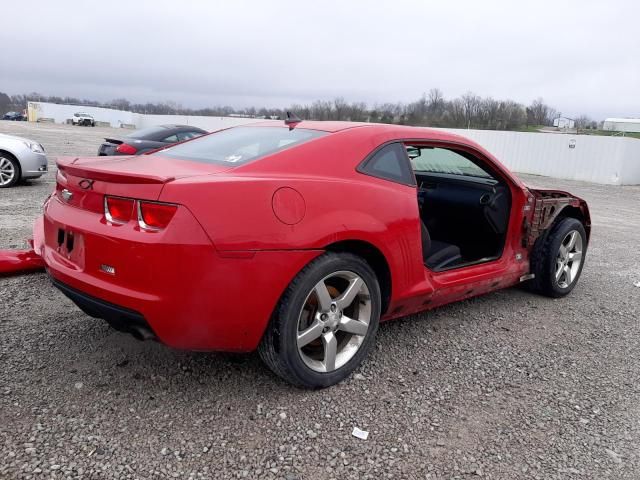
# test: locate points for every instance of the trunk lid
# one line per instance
(88, 180)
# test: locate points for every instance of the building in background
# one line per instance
(622, 124)
(564, 122)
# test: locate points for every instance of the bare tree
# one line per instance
(471, 106)
(121, 104)
(541, 114)
(358, 112)
(455, 113)
(583, 122)
(5, 102)
(489, 113)
(431, 109)
(435, 106)
(416, 112)
(340, 108)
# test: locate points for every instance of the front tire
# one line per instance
(325, 323)
(557, 262)
(9, 171)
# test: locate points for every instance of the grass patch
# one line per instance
(609, 133)
(530, 128)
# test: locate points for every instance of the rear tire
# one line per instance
(10, 172)
(325, 323)
(558, 260)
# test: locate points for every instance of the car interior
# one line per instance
(464, 208)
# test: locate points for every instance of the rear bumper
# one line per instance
(122, 319)
(189, 295)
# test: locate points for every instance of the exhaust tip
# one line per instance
(142, 333)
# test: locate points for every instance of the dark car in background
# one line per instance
(14, 116)
(147, 139)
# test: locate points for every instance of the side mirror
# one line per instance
(413, 152)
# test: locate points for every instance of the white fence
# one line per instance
(608, 160)
(207, 123)
(591, 158)
(117, 118)
(61, 113)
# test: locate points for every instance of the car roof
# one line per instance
(180, 127)
(395, 131)
(157, 132)
(323, 125)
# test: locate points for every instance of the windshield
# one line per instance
(241, 144)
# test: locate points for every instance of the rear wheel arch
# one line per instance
(376, 260)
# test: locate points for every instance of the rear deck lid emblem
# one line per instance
(86, 184)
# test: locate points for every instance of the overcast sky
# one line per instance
(580, 56)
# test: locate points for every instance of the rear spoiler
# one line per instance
(114, 141)
(94, 172)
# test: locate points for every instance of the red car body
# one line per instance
(211, 279)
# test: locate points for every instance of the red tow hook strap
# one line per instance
(19, 261)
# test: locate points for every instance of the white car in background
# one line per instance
(20, 159)
(83, 119)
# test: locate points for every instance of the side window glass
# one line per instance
(171, 139)
(187, 135)
(443, 160)
(391, 163)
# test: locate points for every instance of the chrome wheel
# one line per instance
(334, 321)
(569, 259)
(7, 171)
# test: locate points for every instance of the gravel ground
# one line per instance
(506, 386)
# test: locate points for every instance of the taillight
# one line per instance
(151, 216)
(118, 209)
(154, 215)
(126, 149)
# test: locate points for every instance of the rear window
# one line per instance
(241, 144)
(148, 132)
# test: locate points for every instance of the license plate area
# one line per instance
(70, 245)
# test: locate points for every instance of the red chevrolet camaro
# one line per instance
(298, 239)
